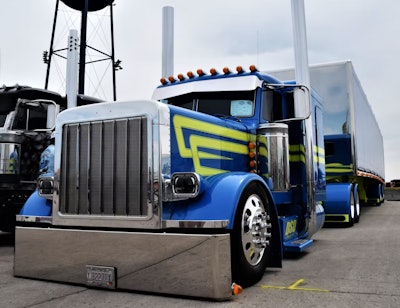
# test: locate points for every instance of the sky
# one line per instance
(217, 34)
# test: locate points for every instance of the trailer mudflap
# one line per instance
(180, 264)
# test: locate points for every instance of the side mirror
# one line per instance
(52, 112)
(301, 97)
(302, 105)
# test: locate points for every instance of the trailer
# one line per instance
(354, 149)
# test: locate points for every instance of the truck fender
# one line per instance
(36, 206)
(220, 199)
(338, 199)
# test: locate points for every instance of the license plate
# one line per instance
(100, 276)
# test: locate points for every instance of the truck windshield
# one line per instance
(233, 103)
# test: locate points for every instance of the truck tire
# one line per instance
(352, 209)
(357, 208)
(251, 236)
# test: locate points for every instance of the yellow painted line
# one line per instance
(295, 287)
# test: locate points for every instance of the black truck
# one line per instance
(27, 117)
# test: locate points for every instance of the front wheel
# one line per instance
(251, 236)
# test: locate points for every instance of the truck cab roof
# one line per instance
(10, 95)
(215, 82)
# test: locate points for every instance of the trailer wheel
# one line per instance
(383, 193)
(357, 208)
(380, 193)
(251, 236)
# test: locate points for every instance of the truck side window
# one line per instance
(20, 119)
(267, 106)
(2, 119)
(187, 105)
(329, 149)
(289, 105)
(184, 101)
(37, 120)
(272, 107)
(29, 119)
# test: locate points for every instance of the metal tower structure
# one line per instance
(84, 7)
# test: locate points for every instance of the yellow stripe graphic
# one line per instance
(196, 141)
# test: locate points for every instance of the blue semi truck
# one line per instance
(193, 193)
(354, 151)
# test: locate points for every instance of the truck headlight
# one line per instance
(45, 186)
(185, 184)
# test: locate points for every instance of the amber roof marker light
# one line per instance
(253, 68)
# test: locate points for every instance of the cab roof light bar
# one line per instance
(200, 73)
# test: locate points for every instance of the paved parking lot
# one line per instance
(346, 267)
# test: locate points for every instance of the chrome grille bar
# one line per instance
(104, 168)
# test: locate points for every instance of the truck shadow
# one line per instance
(7, 239)
(294, 255)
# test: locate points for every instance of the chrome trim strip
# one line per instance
(38, 219)
(212, 224)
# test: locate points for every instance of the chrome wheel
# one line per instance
(252, 236)
(256, 230)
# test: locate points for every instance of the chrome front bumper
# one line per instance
(179, 264)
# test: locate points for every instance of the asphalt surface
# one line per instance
(346, 267)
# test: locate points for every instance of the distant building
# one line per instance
(395, 183)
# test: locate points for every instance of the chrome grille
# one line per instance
(104, 168)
